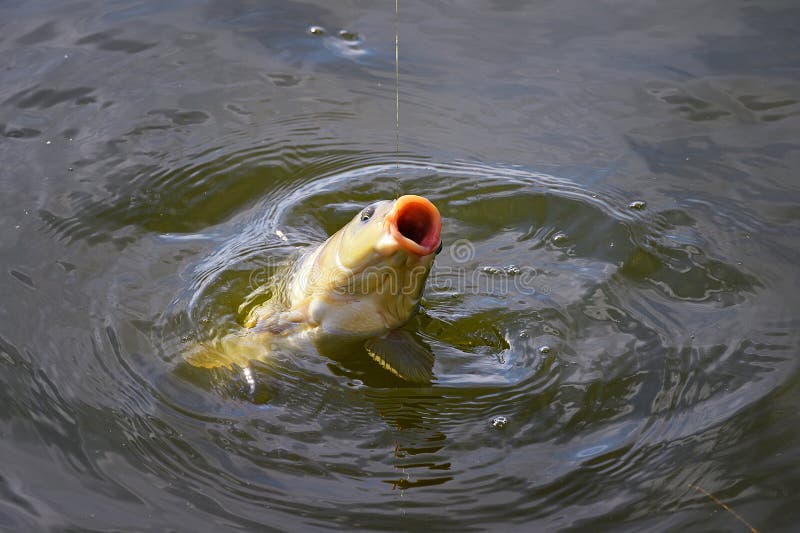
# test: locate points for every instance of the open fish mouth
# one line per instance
(415, 224)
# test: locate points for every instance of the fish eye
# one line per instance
(367, 213)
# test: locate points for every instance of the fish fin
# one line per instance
(268, 318)
(232, 349)
(280, 323)
(206, 356)
(250, 298)
(260, 313)
(402, 355)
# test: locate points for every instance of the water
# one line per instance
(613, 315)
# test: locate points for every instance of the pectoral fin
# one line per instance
(207, 356)
(232, 349)
(402, 355)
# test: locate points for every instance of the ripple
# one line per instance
(682, 272)
(34, 97)
(187, 198)
(12, 132)
(40, 34)
(606, 336)
(716, 99)
(106, 41)
(599, 367)
(181, 118)
(611, 364)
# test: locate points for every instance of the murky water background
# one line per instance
(600, 362)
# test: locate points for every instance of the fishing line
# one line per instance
(397, 83)
(397, 92)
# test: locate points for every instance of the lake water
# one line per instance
(614, 315)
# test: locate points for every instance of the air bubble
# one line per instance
(498, 422)
(560, 239)
(348, 35)
(510, 270)
(316, 30)
(544, 350)
(638, 205)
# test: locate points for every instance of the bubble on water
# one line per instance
(498, 422)
(492, 270)
(47, 142)
(560, 238)
(510, 270)
(316, 30)
(638, 205)
(544, 350)
(348, 35)
(523, 334)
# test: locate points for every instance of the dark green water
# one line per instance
(161, 159)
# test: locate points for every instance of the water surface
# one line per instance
(613, 316)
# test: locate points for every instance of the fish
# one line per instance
(355, 290)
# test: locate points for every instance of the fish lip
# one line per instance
(418, 218)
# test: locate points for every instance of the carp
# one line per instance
(357, 289)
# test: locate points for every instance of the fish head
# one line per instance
(374, 268)
(409, 226)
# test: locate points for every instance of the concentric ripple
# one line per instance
(612, 316)
(602, 335)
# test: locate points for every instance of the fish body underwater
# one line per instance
(357, 289)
